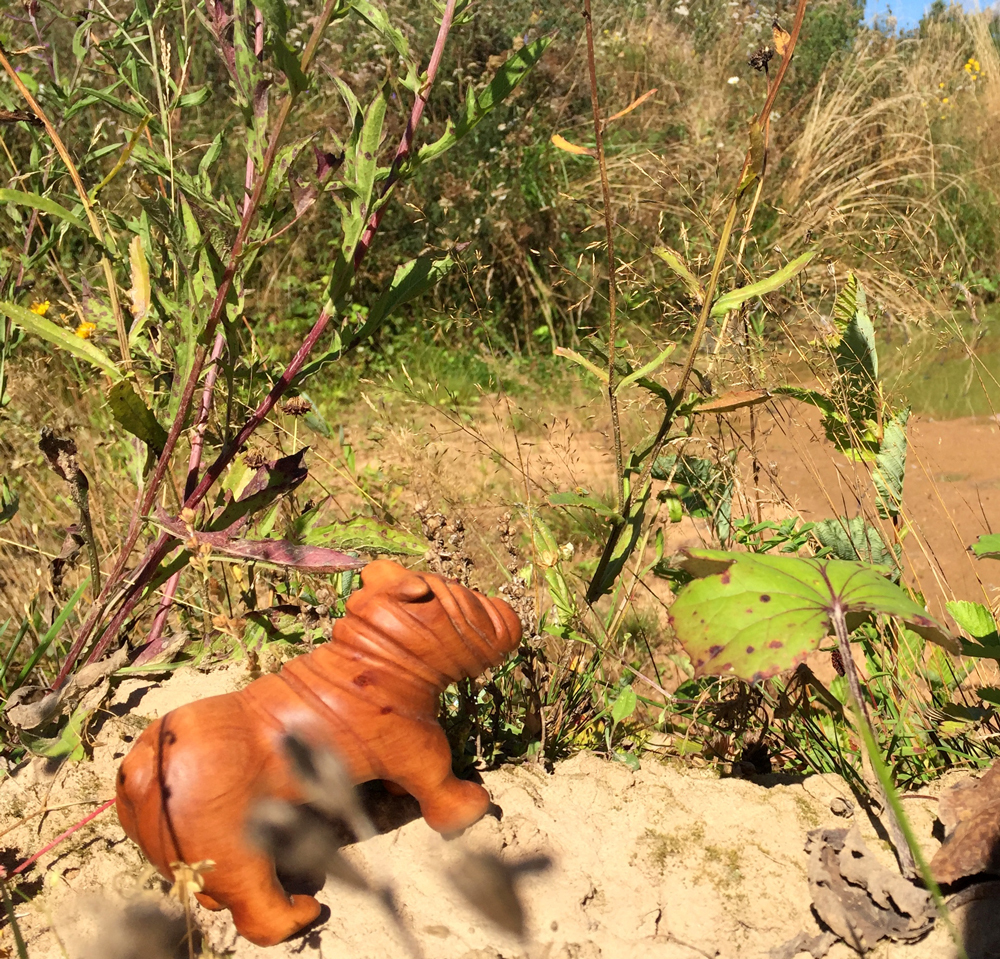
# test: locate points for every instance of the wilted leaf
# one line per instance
(561, 143)
(756, 615)
(780, 37)
(857, 897)
(60, 337)
(581, 360)
(736, 298)
(676, 264)
(273, 552)
(139, 293)
(269, 482)
(637, 102)
(970, 813)
(729, 402)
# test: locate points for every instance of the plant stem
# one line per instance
(609, 233)
(637, 490)
(903, 852)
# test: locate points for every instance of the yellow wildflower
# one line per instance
(41, 307)
(940, 86)
(945, 100)
(86, 330)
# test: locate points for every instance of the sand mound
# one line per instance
(663, 862)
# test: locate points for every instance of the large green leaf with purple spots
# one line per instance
(753, 616)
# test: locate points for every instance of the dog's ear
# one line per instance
(383, 575)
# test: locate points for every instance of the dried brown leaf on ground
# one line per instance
(970, 814)
(857, 897)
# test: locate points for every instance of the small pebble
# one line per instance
(841, 807)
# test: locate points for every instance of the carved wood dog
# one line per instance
(370, 696)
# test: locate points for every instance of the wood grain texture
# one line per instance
(370, 695)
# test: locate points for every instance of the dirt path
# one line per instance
(664, 863)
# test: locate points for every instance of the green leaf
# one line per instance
(755, 615)
(276, 14)
(409, 281)
(683, 272)
(581, 360)
(367, 535)
(195, 98)
(624, 705)
(987, 546)
(621, 544)
(44, 205)
(506, 80)
(379, 19)
(59, 337)
(131, 412)
(584, 500)
(974, 618)
(644, 371)
(736, 298)
(890, 466)
(9, 501)
(854, 539)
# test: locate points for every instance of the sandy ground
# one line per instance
(664, 862)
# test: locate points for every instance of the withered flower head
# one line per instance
(296, 406)
(760, 58)
(254, 458)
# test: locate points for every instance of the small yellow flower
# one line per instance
(41, 307)
(86, 330)
(945, 100)
(940, 86)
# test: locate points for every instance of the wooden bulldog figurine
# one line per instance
(370, 695)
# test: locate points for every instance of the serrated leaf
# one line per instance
(854, 539)
(890, 466)
(44, 205)
(987, 546)
(59, 337)
(754, 616)
(504, 82)
(736, 298)
(974, 618)
(131, 412)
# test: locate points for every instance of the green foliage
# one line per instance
(755, 616)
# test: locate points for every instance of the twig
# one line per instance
(69, 832)
(612, 280)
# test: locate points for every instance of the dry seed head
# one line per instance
(254, 458)
(296, 406)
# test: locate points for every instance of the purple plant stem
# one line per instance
(146, 502)
(144, 573)
(409, 134)
(69, 832)
(154, 643)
